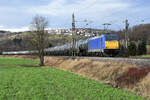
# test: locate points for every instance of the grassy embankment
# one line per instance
(144, 56)
(20, 83)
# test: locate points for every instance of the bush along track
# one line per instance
(132, 76)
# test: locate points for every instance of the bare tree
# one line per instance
(39, 37)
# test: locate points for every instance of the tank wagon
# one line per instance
(106, 44)
(19, 53)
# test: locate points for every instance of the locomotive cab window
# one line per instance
(111, 38)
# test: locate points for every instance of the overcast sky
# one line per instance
(16, 15)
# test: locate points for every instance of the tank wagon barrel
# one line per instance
(19, 52)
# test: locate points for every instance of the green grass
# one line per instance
(15, 62)
(144, 56)
(22, 83)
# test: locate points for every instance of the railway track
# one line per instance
(137, 61)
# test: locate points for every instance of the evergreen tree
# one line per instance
(142, 48)
(132, 49)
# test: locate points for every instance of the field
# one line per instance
(17, 62)
(18, 82)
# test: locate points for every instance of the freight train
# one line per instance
(104, 45)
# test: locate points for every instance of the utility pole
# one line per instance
(126, 33)
(126, 37)
(73, 37)
(106, 26)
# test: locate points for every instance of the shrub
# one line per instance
(141, 48)
(132, 76)
(132, 49)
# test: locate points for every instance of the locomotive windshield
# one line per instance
(111, 38)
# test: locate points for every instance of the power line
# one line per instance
(106, 26)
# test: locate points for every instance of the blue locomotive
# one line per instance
(107, 44)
